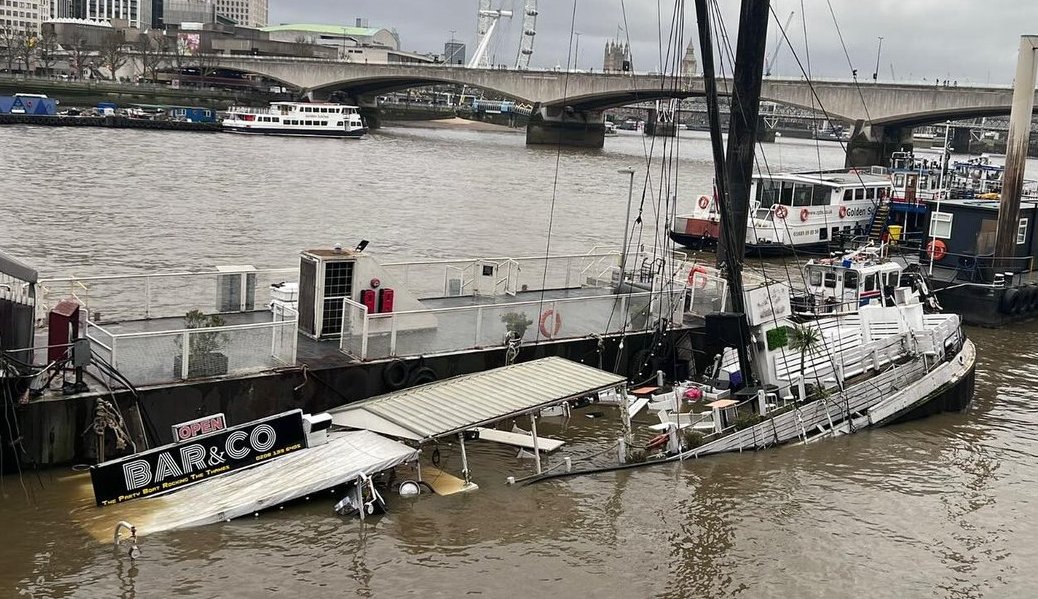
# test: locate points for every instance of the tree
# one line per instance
(150, 52)
(77, 52)
(46, 49)
(803, 339)
(113, 53)
(25, 44)
(8, 39)
(205, 62)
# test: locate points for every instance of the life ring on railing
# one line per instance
(697, 277)
(704, 202)
(804, 215)
(843, 212)
(781, 211)
(936, 249)
(556, 324)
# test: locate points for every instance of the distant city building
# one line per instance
(358, 43)
(136, 13)
(247, 13)
(617, 57)
(689, 65)
(175, 12)
(20, 15)
(454, 52)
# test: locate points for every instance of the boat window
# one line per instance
(802, 195)
(823, 234)
(830, 279)
(850, 279)
(1021, 231)
(821, 196)
(848, 195)
(768, 193)
(899, 180)
(923, 183)
(859, 194)
(892, 279)
(941, 225)
(786, 193)
(339, 124)
(870, 282)
(814, 277)
(870, 193)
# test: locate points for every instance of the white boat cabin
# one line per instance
(842, 285)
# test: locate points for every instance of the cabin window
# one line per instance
(823, 234)
(923, 182)
(870, 193)
(830, 279)
(768, 193)
(786, 194)
(339, 124)
(899, 180)
(850, 280)
(821, 196)
(870, 282)
(815, 277)
(859, 194)
(848, 195)
(1021, 231)
(802, 195)
(941, 225)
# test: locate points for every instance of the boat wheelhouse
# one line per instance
(297, 118)
(793, 212)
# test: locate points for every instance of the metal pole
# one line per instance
(1016, 151)
(627, 220)
(879, 50)
(464, 459)
(576, 51)
(536, 447)
(940, 191)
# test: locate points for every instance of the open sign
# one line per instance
(199, 426)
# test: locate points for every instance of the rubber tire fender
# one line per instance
(422, 375)
(395, 374)
(1009, 301)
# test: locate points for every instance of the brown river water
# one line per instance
(943, 507)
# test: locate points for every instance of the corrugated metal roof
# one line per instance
(466, 401)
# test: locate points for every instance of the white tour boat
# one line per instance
(297, 118)
(793, 211)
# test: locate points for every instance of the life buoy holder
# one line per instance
(843, 212)
(697, 277)
(555, 322)
(781, 211)
(804, 215)
(936, 249)
(704, 202)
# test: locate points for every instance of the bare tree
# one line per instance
(25, 42)
(205, 62)
(113, 53)
(9, 40)
(77, 52)
(148, 54)
(46, 49)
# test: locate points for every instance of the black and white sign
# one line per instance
(174, 466)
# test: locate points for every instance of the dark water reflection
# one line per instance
(939, 508)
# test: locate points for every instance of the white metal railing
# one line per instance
(426, 332)
(158, 295)
(154, 357)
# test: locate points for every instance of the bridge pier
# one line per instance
(960, 139)
(556, 125)
(873, 144)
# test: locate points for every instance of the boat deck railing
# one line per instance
(486, 325)
(150, 357)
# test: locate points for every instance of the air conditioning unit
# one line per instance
(236, 288)
(326, 278)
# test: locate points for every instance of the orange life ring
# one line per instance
(936, 249)
(556, 325)
(781, 211)
(704, 201)
(843, 212)
(697, 277)
(804, 215)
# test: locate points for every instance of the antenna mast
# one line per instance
(522, 61)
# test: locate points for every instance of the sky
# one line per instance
(967, 41)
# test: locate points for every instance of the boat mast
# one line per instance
(1016, 152)
(734, 173)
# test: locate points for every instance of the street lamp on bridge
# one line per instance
(875, 74)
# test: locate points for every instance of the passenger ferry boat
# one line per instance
(297, 118)
(793, 211)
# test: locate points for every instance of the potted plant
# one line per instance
(516, 324)
(204, 357)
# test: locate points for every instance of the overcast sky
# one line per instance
(964, 40)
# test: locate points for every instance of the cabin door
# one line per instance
(911, 181)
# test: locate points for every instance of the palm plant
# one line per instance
(804, 339)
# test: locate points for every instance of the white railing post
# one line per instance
(185, 347)
(147, 297)
(364, 334)
(392, 334)
(479, 326)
